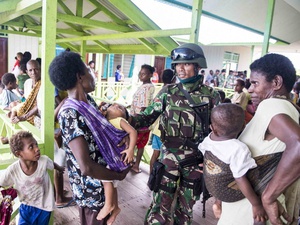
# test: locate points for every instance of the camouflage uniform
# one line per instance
(230, 79)
(221, 78)
(178, 124)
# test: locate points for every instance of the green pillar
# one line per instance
(196, 18)
(83, 51)
(47, 94)
(47, 89)
(268, 27)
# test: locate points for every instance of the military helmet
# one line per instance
(188, 53)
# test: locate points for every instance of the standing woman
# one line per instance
(273, 129)
(142, 98)
(86, 166)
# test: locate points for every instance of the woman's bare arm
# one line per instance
(288, 171)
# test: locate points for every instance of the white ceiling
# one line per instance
(251, 14)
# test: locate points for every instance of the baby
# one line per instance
(227, 161)
(117, 115)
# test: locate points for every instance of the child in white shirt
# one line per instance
(30, 178)
(222, 149)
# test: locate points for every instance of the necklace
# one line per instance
(279, 96)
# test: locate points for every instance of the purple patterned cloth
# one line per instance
(105, 134)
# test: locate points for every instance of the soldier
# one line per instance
(182, 128)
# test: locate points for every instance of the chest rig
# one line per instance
(183, 121)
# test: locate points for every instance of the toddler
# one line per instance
(227, 160)
(117, 115)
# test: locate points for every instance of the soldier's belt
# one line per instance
(177, 142)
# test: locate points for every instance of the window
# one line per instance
(230, 61)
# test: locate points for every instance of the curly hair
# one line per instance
(16, 141)
(167, 76)
(64, 69)
(228, 119)
(273, 64)
(8, 77)
(148, 67)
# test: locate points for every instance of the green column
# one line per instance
(268, 27)
(47, 89)
(83, 51)
(196, 18)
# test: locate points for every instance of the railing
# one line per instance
(7, 129)
(105, 91)
(120, 92)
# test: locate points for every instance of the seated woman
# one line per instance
(28, 110)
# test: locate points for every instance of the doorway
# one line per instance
(3, 56)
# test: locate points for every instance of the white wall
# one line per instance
(21, 43)
(214, 57)
(139, 61)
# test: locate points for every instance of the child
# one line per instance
(240, 97)
(22, 78)
(228, 159)
(16, 68)
(295, 97)
(117, 115)
(8, 96)
(31, 180)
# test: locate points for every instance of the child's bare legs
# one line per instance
(116, 210)
(110, 205)
(217, 208)
(139, 155)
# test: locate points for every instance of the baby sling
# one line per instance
(221, 183)
(105, 134)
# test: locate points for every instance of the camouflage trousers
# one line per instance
(174, 208)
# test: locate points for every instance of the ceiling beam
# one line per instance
(108, 13)
(39, 28)
(86, 22)
(129, 49)
(143, 21)
(79, 8)
(23, 7)
(19, 33)
(137, 34)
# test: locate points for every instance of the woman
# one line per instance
(140, 100)
(85, 163)
(274, 128)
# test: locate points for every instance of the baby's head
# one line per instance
(114, 110)
(227, 120)
(17, 142)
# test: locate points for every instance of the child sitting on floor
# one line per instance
(117, 115)
(226, 159)
(30, 178)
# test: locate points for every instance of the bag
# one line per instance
(156, 176)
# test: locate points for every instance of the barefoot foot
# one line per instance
(113, 216)
(104, 212)
(136, 169)
(217, 209)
